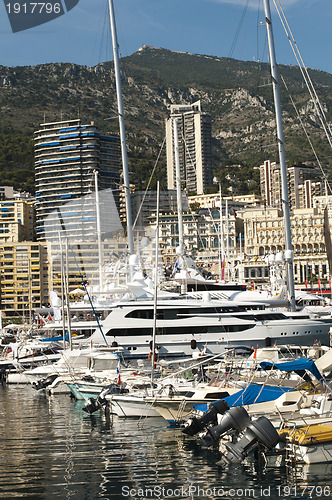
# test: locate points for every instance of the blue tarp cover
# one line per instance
(251, 394)
(55, 339)
(294, 366)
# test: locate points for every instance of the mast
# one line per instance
(67, 297)
(282, 159)
(122, 129)
(178, 184)
(227, 237)
(62, 293)
(221, 242)
(98, 232)
(155, 291)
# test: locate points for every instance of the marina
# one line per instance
(51, 449)
(136, 378)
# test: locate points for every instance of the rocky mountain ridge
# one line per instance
(238, 94)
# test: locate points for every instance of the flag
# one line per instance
(255, 353)
(118, 374)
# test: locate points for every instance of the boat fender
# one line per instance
(114, 344)
(268, 342)
(193, 343)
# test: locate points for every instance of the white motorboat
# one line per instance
(72, 364)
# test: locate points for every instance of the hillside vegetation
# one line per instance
(238, 95)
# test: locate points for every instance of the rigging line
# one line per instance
(264, 45)
(257, 26)
(305, 75)
(302, 62)
(89, 297)
(238, 29)
(100, 31)
(307, 135)
(149, 183)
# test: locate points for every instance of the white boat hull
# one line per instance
(314, 454)
(131, 406)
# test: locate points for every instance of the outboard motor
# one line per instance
(44, 382)
(261, 431)
(94, 404)
(194, 424)
(236, 418)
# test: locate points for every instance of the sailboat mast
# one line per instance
(122, 129)
(282, 159)
(178, 184)
(154, 330)
(98, 232)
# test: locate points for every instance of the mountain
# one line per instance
(238, 95)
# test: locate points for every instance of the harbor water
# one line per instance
(50, 448)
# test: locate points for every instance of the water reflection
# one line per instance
(52, 449)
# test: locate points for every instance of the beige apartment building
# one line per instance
(23, 279)
(17, 220)
(264, 235)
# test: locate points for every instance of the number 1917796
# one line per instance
(33, 8)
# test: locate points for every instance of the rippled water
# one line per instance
(50, 448)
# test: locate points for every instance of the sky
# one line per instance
(223, 28)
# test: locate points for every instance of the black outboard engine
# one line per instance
(94, 404)
(44, 382)
(194, 424)
(235, 418)
(258, 432)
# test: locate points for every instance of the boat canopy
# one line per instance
(253, 393)
(298, 366)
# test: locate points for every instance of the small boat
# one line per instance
(311, 443)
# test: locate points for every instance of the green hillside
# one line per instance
(238, 95)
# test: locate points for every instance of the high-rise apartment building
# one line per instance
(304, 182)
(195, 151)
(67, 154)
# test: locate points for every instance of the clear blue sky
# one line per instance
(198, 26)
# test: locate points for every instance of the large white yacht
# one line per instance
(185, 326)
